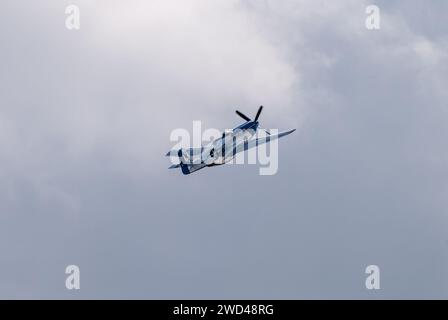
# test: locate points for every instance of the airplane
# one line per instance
(224, 149)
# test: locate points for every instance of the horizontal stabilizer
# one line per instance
(188, 151)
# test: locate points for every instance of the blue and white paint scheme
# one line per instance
(225, 148)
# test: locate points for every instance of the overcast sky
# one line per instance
(85, 120)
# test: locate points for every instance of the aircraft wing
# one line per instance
(259, 141)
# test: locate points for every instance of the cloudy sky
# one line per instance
(85, 120)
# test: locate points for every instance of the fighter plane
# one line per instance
(225, 148)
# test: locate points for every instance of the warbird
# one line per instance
(224, 149)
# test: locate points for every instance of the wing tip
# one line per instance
(285, 133)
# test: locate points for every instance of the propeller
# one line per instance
(242, 115)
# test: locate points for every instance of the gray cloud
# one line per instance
(85, 118)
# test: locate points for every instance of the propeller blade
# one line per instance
(242, 115)
(258, 113)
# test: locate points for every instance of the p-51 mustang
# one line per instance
(225, 148)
